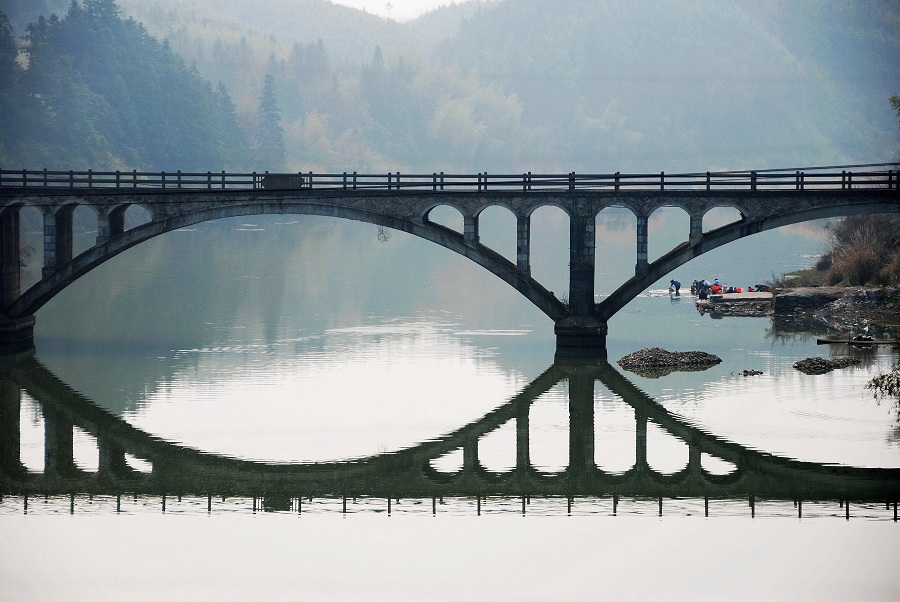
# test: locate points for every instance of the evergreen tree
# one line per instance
(270, 151)
(10, 102)
(100, 92)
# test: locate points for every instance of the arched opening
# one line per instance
(720, 216)
(549, 249)
(139, 465)
(84, 229)
(31, 434)
(136, 215)
(667, 228)
(497, 449)
(449, 463)
(85, 451)
(497, 230)
(715, 465)
(614, 434)
(31, 246)
(548, 430)
(447, 216)
(666, 454)
(616, 236)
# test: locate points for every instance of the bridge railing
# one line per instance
(881, 175)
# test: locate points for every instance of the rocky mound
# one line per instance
(653, 362)
(819, 365)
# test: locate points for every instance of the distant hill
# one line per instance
(705, 84)
(516, 85)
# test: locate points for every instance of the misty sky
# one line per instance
(401, 10)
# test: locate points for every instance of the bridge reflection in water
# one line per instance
(410, 474)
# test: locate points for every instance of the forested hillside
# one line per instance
(585, 85)
(97, 91)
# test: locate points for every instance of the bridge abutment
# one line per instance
(16, 334)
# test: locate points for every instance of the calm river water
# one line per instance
(312, 341)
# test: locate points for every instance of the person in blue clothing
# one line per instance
(674, 284)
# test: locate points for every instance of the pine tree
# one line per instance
(270, 135)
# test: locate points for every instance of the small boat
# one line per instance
(857, 341)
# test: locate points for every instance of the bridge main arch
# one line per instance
(724, 235)
(53, 283)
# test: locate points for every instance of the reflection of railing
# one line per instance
(872, 175)
(178, 471)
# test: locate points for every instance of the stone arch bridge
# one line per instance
(765, 200)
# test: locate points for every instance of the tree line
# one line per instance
(92, 89)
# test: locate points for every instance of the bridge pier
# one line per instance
(470, 229)
(581, 333)
(523, 242)
(642, 264)
(696, 233)
(57, 238)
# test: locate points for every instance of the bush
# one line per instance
(887, 385)
(861, 251)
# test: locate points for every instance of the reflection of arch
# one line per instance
(408, 472)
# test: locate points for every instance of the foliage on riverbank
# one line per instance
(864, 250)
(887, 385)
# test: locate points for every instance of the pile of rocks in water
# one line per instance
(819, 365)
(653, 362)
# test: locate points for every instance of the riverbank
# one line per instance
(874, 310)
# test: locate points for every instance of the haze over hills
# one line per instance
(585, 85)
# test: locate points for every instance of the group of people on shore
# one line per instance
(704, 288)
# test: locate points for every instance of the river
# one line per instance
(319, 343)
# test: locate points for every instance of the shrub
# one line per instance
(859, 256)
